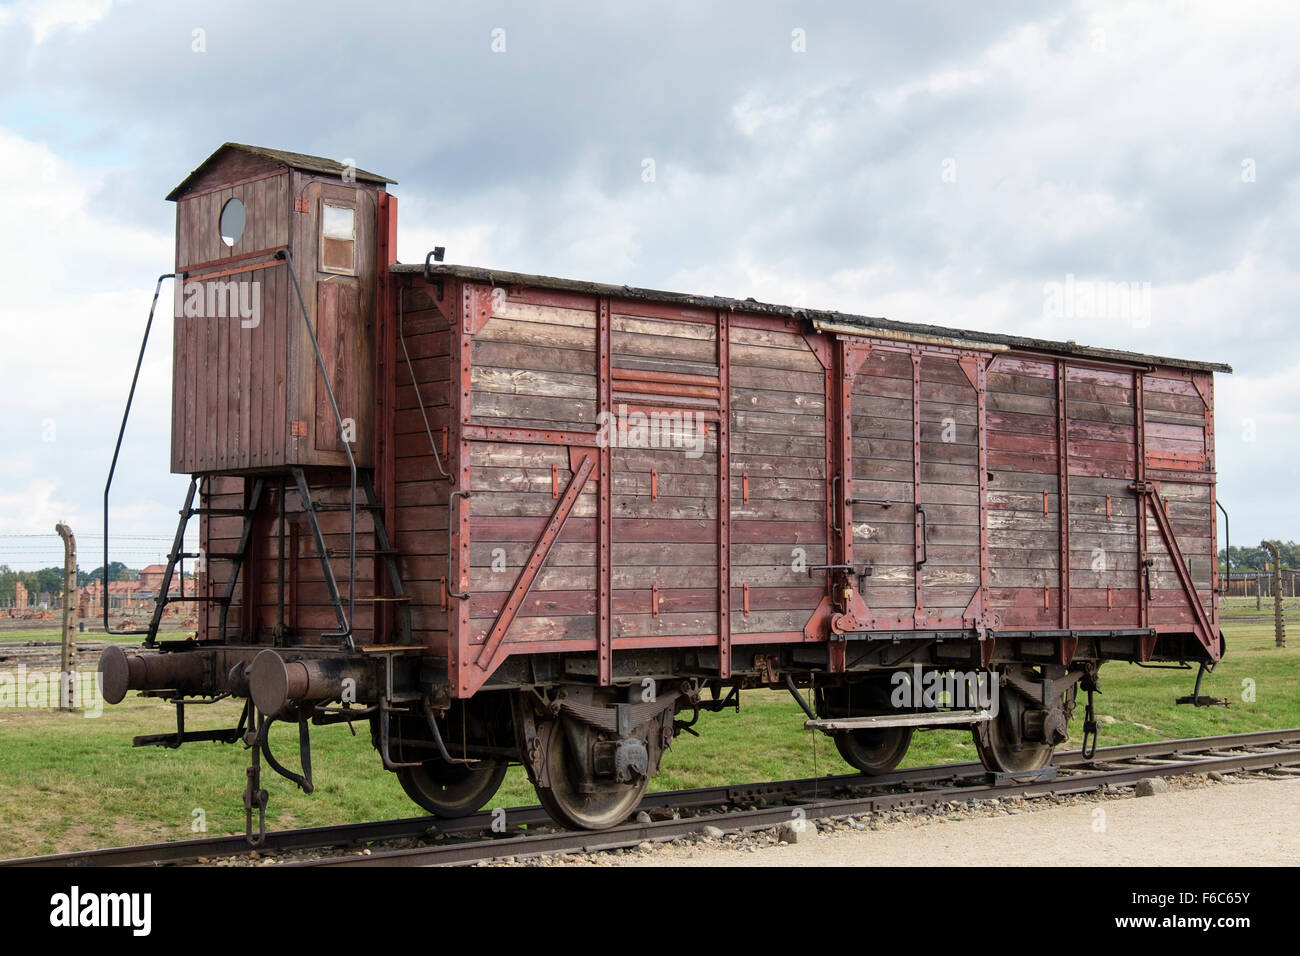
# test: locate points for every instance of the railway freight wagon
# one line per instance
(509, 518)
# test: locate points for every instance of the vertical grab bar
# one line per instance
(451, 511)
(835, 504)
(1226, 588)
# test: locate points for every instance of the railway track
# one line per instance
(44, 654)
(529, 832)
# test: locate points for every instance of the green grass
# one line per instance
(69, 782)
(47, 634)
(52, 632)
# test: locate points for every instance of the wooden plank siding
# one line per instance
(778, 480)
(1022, 462)
(884, 533)
(1024, 493)
(421, 514)
(950, 497)
(1179, 445)
(239, 384)
(1100, 434)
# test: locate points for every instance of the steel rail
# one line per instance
(940, 779)
(633, 834)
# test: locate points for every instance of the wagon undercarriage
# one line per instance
(590, 750)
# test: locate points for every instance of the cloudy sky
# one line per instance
(929, 162)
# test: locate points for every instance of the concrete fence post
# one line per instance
(1279, 625)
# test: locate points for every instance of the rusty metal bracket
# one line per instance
(765, 665)
(478, 307)
(254, 795)
(858, 617)
(435, 255)
(1196, 698)
(820, 347)
(979, 617)
(1088, 747)
(303, 780)
(385, 719)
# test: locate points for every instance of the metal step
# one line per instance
(932, 719)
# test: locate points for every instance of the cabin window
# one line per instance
(338, 227)
(232, 221)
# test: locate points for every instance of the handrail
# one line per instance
(346, 633)
(1225, 589)
(118, 448)
(451, 524)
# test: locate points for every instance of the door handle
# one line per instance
(835, 504)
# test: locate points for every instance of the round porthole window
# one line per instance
(232, 222)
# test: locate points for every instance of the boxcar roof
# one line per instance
(311, 164)
(818, 317)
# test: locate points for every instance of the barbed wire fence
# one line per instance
(27, 552)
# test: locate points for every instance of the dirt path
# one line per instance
(1230, 823)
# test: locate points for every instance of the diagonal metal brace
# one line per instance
(1206, 635)
(541, 548)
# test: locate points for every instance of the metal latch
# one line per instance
(859, 571)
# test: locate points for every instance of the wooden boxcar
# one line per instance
(579, 511)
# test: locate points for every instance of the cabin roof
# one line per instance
(820, 319)
(311, 164)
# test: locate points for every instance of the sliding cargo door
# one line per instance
(881, 498)
(948, 481)
(663, 432)
(914, 501)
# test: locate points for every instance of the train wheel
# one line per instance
(451, 789)
(598, 805)
(874, 751)
(998, 754)
(1026, 729)
(868, 751)
(1000, 748)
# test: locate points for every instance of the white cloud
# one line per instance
(72, 323)
(1101, 140)
(47, 17)
(943, 83)
(81, 306)
(35, 507)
